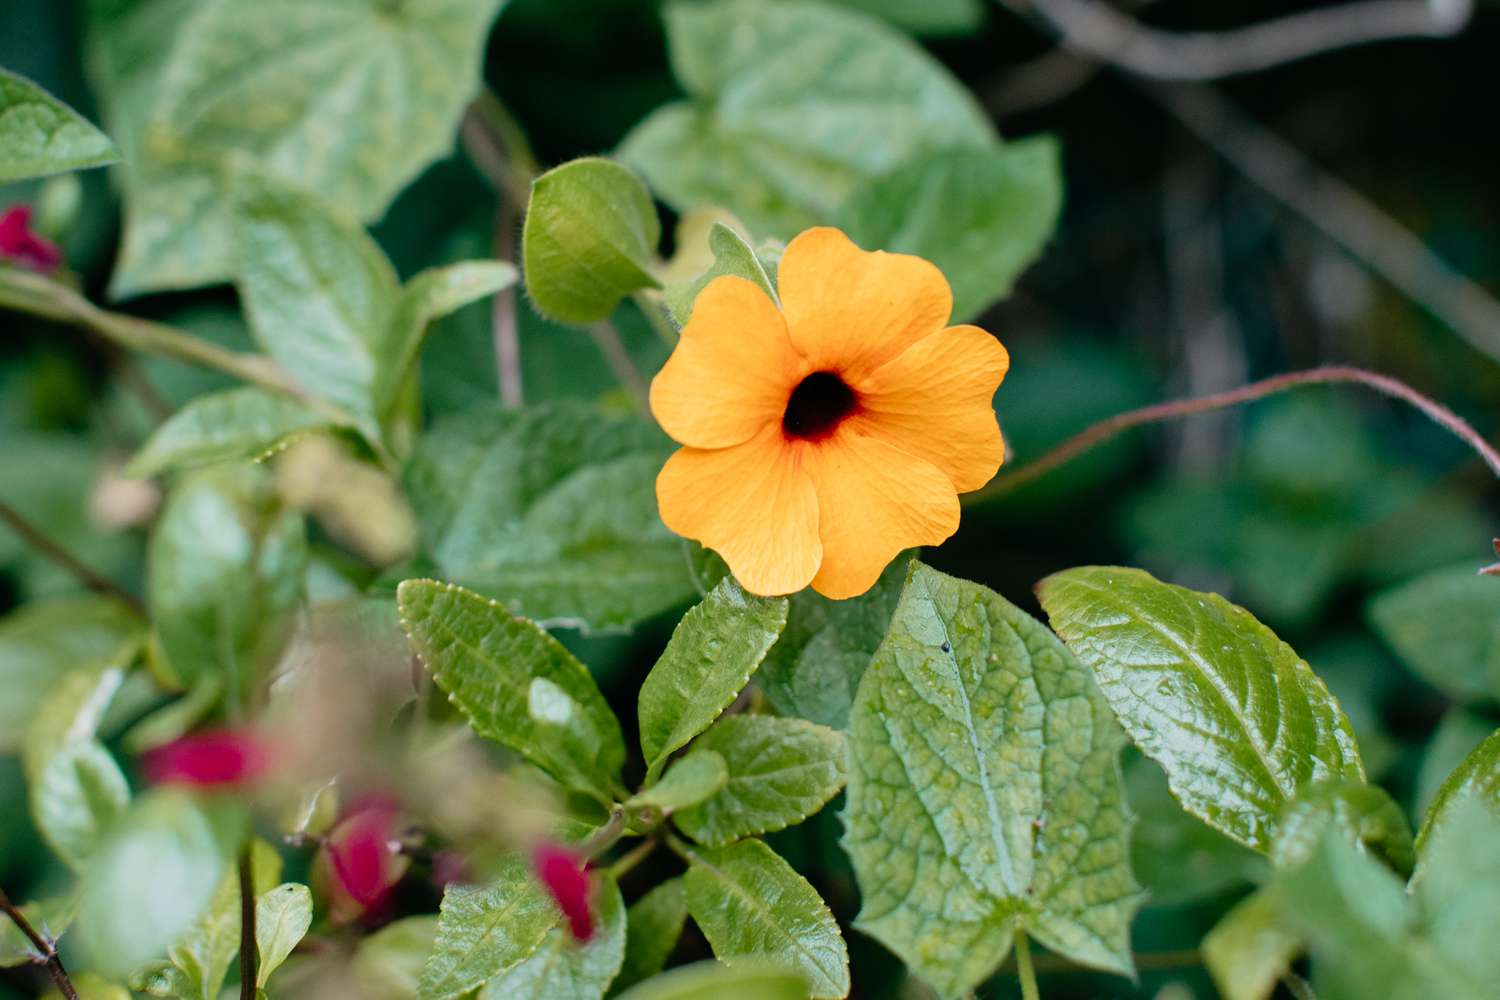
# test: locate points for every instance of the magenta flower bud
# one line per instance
(215, 758)
(562, 872)
(19, 244)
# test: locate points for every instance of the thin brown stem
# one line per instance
(82, 572)
(503, 322)
(607, 338)
(249, 952)
(46, 948)
(1096, 434)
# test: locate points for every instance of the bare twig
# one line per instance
(1096, 434)
(249, 951)
(83, 573)
(46, 948)
(1095, 29)
(607, 338)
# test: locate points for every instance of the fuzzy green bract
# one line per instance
(1238, 721)
(985, 795)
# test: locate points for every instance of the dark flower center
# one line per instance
(817, 405)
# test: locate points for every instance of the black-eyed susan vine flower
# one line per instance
(825, 433)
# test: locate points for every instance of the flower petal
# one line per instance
(875, 500)
(850, 311)
(732, 371)
(935, 400)
(753, 504)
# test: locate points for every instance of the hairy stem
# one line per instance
(249, 952)
(1024, 970)
(46, 949)
(84, 574)
(1096, 434)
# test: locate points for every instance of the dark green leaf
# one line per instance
(484, 930)
(732, 255)
(692, 778)
(780, 771)
(561, 968)
(985, 792)
(1240, 724)
(711, 655)
(508, 505)
(40, 135)
(1477, 777)
(981, 215)
(793, 106)
(652, 927)
(930, 17)
(589, 240)
(515, 683)
(234, 424)
(749, 902)
(1445, 626)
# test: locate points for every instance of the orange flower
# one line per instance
(825, 436)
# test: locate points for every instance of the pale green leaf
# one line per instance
(781, 771)
(225, 576)
(1478, 777)
(69, 714)
(484, 930)
(1445, 626)
(733, 256)
(516, 684)
(709, 659)
(652, 926)
(815, 667)
(1363, 813)
(171, 849)
(793, 106)
(750, 903)
(388, 963)
(318, 293)
(233, 424)
(1238, 721)
(508, 504)
(930, 17)
(50, 915)
(1251, 947)
(747, 980)
(980, 215)
(41, 135)
(689, 780)
(43, 641)
(76, 797)
(589, 240)
(91, 987)
(1457, 890)
(282, 917)
(984, 792)
(563, 969)
(176, 718)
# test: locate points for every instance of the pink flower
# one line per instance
(364, 852)
(562, 873)
(18, 243)
(215, 758)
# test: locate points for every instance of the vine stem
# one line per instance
(46, 949)
(249, 952)
(1024, 970)
(83, 573)
(1096, 434)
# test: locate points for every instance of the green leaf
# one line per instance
(282, 917)
(69, 715)
(732, 255)
(40, 135)
(589, 240)
(41, 642)
(176, 718)
(709, 659)
(692, 778)
(984, 792)
(747, 980)
(561, 968)
(1240, 724)
(1251, 948)
(1445, 626)
(225, 576)
(91, 987)
(49, 915)
(484, 930)
(781, 771)
(170, 849)
(1458, 733)
(1363, 813)
(980, 215)
(234, 424)
(388, 963)
(508, 504)
(652, 926)
(750, 903)
(318, 293)
(1457, 890)
(516, 684)
(793, 107)
(307, 67)
(930, 17)
(815, 667)
(1477, 777)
